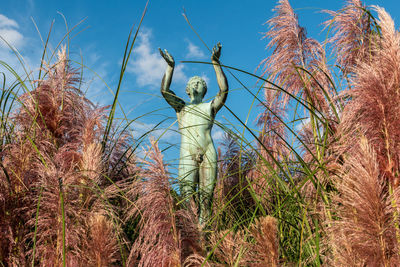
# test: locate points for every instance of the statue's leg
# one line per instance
(208, 177)
(188, 176)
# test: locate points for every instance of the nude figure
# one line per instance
(198, 158)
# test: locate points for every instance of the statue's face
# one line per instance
(196, 88)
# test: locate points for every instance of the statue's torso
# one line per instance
(195, 124)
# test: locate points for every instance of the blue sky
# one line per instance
(101, 38)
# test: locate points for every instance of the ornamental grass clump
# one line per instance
(53, 168)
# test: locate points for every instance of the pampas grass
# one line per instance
(74, 192)
(168, 234)
(158, 240)
(100, 247)
(264, 252)
(353, 34)
(365, 232)
(292, 52)
(53, 168)
(374, 111)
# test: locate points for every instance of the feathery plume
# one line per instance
(57, 196)
(364, 234)
(196, 260)
(158, 241)
(353, 39)
(100, 248)
(56, 108)
(190, 237)
(264, 252)
(374, 110)
(230, 247)
(259, 247)
(297, 64)
(293, 50)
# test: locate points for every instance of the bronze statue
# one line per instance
(198, 157)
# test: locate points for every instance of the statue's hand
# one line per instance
(168, 58)
(216, 52)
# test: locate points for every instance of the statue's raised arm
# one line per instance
(220, 99)
(176, 102)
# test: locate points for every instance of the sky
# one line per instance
(98, 43)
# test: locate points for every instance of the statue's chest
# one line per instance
(192, 115)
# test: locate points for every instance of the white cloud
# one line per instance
(194, 51)
(7, 22)
(148, 65)
(11, 36)
(9, 32)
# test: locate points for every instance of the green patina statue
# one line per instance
(198, 158)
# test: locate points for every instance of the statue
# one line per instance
(198, 157)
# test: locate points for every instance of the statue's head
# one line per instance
(196, 88)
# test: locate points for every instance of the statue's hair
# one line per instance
(195, 79)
